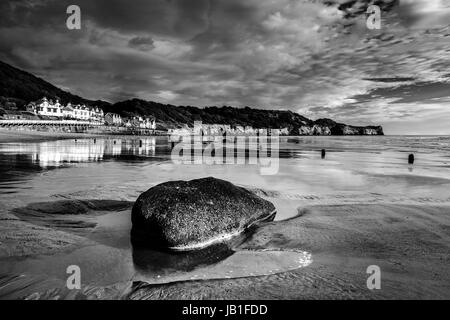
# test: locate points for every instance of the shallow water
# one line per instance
(355, 170)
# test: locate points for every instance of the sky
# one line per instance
(314, 57)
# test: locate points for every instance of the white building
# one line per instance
(96, 114)
(68, 111)
(139, 122)
(147, 123)
(46, 107)
(81, 112)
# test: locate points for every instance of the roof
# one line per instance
(113, 114)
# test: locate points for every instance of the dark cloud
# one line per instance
(394, 79)
(142, 43)
(408, 93)
(314, 57)
(354, 8)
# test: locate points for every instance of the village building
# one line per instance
(279, 132)
(127, 122)
(113, 119)
(31, 107)
(140, 122)
(147, 123)
(46, 107)
(97, 115)
(81, 112)
(68, 111)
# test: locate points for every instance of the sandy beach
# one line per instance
(67, 202)
(410, 244)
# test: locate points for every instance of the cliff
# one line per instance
(17, 88)
(171, 116)
(330, 127)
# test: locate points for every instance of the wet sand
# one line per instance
(409, 243)
(51, 227)
(335, 217)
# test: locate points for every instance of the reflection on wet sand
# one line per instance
(107, 224)
(58, 153)
(154, 263)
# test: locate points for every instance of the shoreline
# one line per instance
(28, 136)
(8, 136)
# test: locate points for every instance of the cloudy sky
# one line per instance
(315, 57)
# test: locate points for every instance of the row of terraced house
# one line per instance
(54, 109)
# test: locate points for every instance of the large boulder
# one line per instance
(188, 215)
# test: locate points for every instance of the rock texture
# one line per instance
(188, 215)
